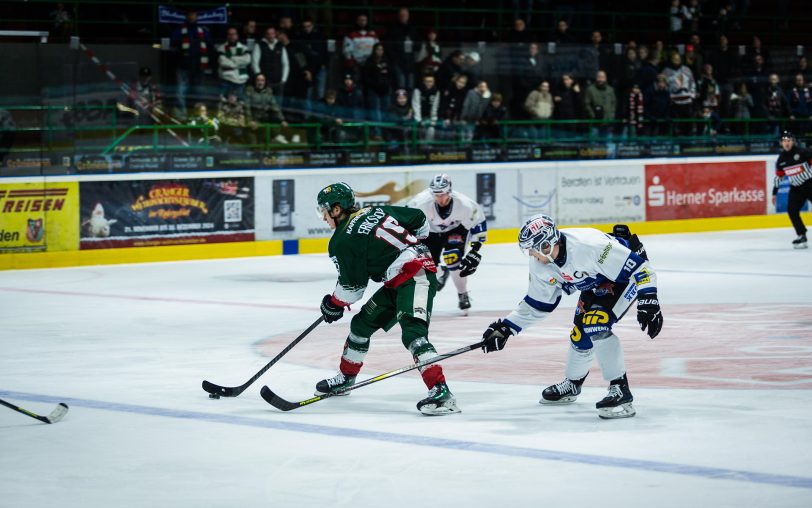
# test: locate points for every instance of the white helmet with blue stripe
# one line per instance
(440, 184)
(540, 234)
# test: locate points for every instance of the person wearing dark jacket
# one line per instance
(567, 101)
(401, 44)
(314, 46)
(494, 114)
(377, 77)
(350, 99)
(452, 101)
(426, 106)
(657, 111)
(451, 66)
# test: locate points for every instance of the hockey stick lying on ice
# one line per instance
(284, 405)
(57, 414)
(217, 391)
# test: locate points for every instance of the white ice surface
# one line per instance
(127, 347)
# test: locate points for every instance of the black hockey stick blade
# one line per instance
(284, 405)
(234, 391)
(57, 414)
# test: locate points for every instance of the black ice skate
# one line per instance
(618, 402)
(442, 278)
(464, 302)
(562, 393)
(439, 402)
(800, 242)
(335, 384)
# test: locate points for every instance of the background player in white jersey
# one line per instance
(610, 272)
(454, 221)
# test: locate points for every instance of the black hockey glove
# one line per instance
(496, 336)
(330, 310)
(470, 262)
(649, 315)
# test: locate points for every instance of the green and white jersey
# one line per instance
(378, 243)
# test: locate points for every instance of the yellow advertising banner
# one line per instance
(37, 217)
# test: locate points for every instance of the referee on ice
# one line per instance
(794, 163)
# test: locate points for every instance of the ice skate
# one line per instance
(618, 402)
(442, 278)
(562, 393)
(439, 402)
(464, 302)
(800, 242)
(335, 385)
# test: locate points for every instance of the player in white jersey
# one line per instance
(455, 220)
(610, 272)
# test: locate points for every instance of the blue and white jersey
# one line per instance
(591, 259)
(464, 211)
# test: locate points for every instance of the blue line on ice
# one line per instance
(433, 442)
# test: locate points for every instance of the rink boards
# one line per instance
(120, 218)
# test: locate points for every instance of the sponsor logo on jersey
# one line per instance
(794, 170)
(552, 281)
(605, 253)
(642, 277)
(630, 293)
(595, 317)
(575, 334)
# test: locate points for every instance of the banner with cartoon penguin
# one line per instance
(147, 213)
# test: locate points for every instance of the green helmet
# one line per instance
(336, 194)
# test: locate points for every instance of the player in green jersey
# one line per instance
(381, 243)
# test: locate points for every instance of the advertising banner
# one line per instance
(36, 217)
(699, 190)
(147, 213)
(599, 194)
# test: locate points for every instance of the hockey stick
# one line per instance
(57, 414)
(284, 405)
(218, 391)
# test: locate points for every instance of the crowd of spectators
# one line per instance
(398, 75)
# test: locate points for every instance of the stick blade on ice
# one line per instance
(58, 413)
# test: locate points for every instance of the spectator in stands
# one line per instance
(561, 34)
(270, 58)
(401, 42)
(426, 106)
(679, 13)
(328, 113)
(489, 125)
(799, 99)
(725, 62)
(428, 58)
(358, 45)
(472, 68)
(803, 69)
(402, 113)
(193, 44)
(693, 15)
(682, 87)
(602, 51)
(261, 108)
(648, 72)
(285, 24)
(452, 66)
(741, 108)
(314, 46)
(231, 116)
(711, 122)
(758, 49)
(657, 109)
(539, 106)
(528, 76)
(775, 105)
(208, 126)
(144, 97)
(62, 23)
(249, 34)
(693, 60)
(633, 112)
(519, 33)
(600, 103)
(567, 101)
(757, 82)
(476, 100)
(295, 88)
(659, 50)
(451, 102)
(709, 94)
(233, 63)
(350, 98)
(629, 71)
(378, 78)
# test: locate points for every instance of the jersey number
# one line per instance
(394, 234)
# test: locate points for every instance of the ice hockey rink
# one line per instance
(723, 395)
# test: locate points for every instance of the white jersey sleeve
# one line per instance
(543, 296)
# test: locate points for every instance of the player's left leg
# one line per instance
(415, 300)
(453, 254)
